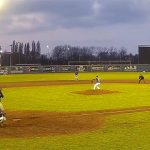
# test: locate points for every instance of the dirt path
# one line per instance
(61, 82)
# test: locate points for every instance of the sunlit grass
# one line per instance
(70, 76)
(118, 132)
(62, 98)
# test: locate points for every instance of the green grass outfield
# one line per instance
(119, 132)
(70, 76)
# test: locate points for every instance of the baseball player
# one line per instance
(2, 113)
(141, 78)
(2, 117)
(97, 83)
(76, 75)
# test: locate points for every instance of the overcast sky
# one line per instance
(118, 23)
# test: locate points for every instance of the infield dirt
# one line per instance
(39, 124)
(62, 82)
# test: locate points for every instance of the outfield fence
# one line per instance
(72, 68)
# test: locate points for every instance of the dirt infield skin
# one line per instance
(95, 92)
(61, 82)
(21, 124)
(38, 124)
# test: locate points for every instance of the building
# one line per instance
(144, 54)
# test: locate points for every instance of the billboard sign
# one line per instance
(114, 68)
(131, 68)
(97, 68)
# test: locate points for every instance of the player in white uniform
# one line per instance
(76, 75)
(2, 114)
(97, 83)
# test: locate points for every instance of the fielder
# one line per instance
(141, 78)
(97, 83)
(76, 75)
(2, 114)
(2, 117)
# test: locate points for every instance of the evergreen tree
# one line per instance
(25, 53)
(33, 48)
(13, 47)
(16, 48)
(20, 48)
(28, 49)
(38, 48)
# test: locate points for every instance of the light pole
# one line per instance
(1, 57)
(10, 61)
(48, 53)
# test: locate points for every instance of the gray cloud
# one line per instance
(76, 13)
(66, 8)
(79, 17)
(126, 11)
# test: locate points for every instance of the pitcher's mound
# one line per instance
(96, 92)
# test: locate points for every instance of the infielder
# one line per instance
(141, 78)
(76, 75)
(97, 83)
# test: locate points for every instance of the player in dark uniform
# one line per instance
(141, 78)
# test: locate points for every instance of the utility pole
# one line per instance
(1, 56)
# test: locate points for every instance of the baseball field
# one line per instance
(54, 112)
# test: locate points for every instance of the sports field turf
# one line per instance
(125, 131)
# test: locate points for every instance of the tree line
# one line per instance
(67, 53)
(22, 53)
(26, 53)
